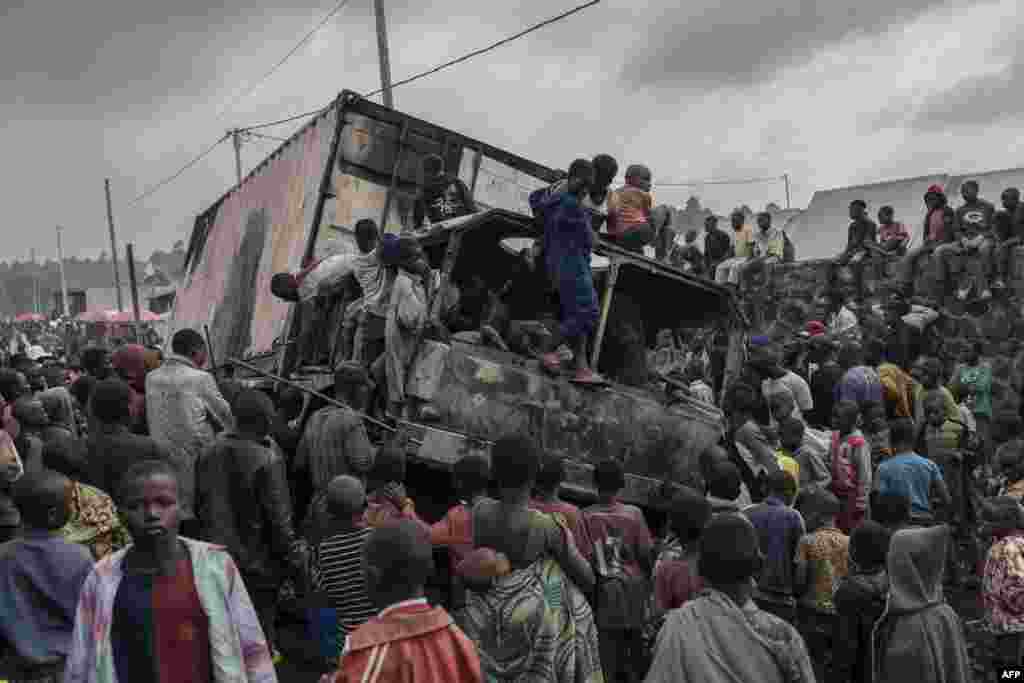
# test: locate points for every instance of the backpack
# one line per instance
(619, 600)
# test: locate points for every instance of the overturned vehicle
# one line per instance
(358, 160)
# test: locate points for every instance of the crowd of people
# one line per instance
(163, 523)
(819, 540)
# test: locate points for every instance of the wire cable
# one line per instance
(492, 46)
(305, 39)
(739, 181)
(170, 179)
(441, 67)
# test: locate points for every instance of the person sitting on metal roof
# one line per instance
(442, 197)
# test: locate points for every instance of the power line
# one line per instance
(248, 91)
(738, 181)
(445, 65)
(492, 46)
(170, 179)
(274, 138)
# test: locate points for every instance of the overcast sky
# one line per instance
(830, 91)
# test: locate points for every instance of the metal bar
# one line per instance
(210, 352)
(134, 285)
(287, 350)
(399, 152)
(786, 178)
(606, 305)
(477, 161)
(314, 392)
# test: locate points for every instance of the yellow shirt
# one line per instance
(744, 242)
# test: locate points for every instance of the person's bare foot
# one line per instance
(588, 376)
(551, 362)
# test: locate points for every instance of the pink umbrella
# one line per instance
(129, 316)
(30, 318)
(97, 316)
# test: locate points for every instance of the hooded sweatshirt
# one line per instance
(920, 637)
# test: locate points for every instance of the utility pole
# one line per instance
(382, 54)
(135, 287)
(35, 282)
(113, 247)
(785, 176)
(65, 307)
(236, 140)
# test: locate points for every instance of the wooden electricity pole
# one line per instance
(383, 56)
(113, 247)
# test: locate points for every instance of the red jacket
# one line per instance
(413, 643)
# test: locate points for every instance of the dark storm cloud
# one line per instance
(980, 101)
(741, 43)
(120, 53)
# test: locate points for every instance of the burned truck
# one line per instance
(360, 160)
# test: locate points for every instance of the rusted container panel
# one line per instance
(486, 394)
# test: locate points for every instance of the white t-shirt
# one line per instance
(794, 385)
(330, 272)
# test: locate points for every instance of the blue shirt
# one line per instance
(41, 575)
(910, 475)
(779, 529)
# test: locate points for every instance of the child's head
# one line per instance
(764, 221)
(1009, 460)
(902, 435)
(472, 474)
(885, 215)
(791, 433)
(581, 177)
(725, 481)
(1004, 512)
(969, 190)
(776, 484)
(389, 465)
(857, 209)
(639, 176)
(934, 408)
(433, 166)
(550, 475)
(609, 477)
(869, 546)
(690, 513)
(605, 170)
(690, 236)
(709, 459)
(782, 405)
(891, 510)
(254, 413)
(771, 435)
(874, 417)
(845, 415)
(819, 508)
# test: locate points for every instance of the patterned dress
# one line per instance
(534, 626)
(94, 522)
(1002, 589)
(827, 552)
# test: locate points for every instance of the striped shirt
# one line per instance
(338, 572)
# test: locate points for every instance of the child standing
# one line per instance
(822, 556)
(621, 556)
(472, 474)
(876, 429)
(860, 601)
(851, 465)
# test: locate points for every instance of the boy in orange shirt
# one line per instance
(629, 211)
